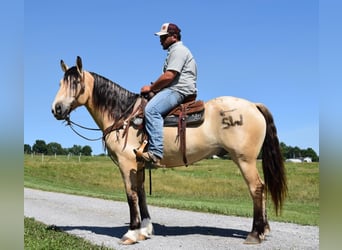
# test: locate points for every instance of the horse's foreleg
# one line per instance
(140, 227)
(257, 190)
(131, 185)
(132, 235)
(146, 230)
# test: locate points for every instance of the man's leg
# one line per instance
(160, 105)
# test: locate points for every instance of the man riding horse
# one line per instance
(177, 83)
(240, 127)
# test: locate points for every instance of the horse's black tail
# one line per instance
(272, 162)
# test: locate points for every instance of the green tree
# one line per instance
(284, 150)
(293, 152)
(27, 149)
(75, 150)
(309, 152)
(55, 148)
(86, 150)
(39, 147)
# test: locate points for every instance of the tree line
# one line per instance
(52, 148)
(289, 152)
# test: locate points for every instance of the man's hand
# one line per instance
(145, 89)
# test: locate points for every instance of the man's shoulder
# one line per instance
(179, 46)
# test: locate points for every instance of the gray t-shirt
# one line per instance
(180, 59)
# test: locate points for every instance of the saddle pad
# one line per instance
(191, 119)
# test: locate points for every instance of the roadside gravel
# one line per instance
(103, 222)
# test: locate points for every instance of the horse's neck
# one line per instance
(101, 119)
(104, 101)
(107, 124)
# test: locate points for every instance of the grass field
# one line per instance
(214, 186)
(40, 236)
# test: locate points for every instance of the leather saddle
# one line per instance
(191, 112)
(188, 114)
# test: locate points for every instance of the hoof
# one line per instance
(142, 237)
(253, 238)
(267, 230)
(127, 241)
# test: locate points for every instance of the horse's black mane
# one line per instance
(111, 97)
(71, 72)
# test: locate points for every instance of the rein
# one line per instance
(120, 124)
(71, 123)
(125, 123)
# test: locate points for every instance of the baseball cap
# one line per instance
(168, 28)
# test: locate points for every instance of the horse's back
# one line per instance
(230, 103)
(238, 124)
(233, 113)
(233, 124)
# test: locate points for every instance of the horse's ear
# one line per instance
(79, 64)
(64, 66)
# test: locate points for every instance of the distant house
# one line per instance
(294, 160)
(307, 159)
(299, 160)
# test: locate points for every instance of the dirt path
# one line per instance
(104, 222)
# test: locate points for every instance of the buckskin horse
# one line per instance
(238, 126)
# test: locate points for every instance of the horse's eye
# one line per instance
(74, 83)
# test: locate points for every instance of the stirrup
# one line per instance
(151, 160)
(139, 151)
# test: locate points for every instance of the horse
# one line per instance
(238, 126)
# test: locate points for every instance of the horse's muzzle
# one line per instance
(60, 111)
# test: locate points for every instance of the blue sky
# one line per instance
(263, 51)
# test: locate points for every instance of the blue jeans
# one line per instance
(158, 107)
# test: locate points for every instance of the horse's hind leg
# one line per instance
(257, 191)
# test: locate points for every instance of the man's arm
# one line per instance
(163, 81)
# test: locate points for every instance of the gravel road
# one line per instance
(103, 222)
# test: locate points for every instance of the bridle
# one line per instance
(77, 95)
(122, 123)
(71, 123)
